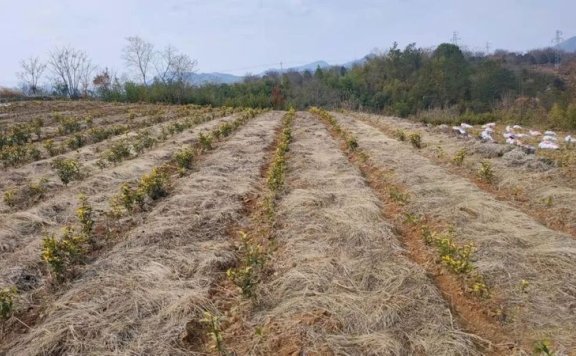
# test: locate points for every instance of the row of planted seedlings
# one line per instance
(254, 247)
(484, 173)
(417, 231)
(70, 169)
(24, 143)
(485, 177)
(79, 242)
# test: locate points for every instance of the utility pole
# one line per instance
(557, 40)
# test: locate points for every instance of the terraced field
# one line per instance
(198, 230)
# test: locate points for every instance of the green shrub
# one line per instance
(61, 253)
(155, 184)
(401, 135)
(68, 125)
(184, 158)
(118, 152)
(67, 169)
(75, 142)
(51, 148)
(205, 141)
(415, 140)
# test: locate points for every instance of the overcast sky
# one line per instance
(240, 36)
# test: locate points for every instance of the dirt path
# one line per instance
(527, 265)
(139, 297)
(341, 283)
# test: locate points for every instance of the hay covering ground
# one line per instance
(510, 245)
(341, 284)
(138, 298)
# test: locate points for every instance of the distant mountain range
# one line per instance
(569, 45)
(225, 78)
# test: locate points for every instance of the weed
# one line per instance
(415, 140)
(67, 169)
(485, 172)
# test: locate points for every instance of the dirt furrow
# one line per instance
(140, 296)
(341, 284)
(527, 266)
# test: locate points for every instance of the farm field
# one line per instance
(178, 230)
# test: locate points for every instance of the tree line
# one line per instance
(439, 85)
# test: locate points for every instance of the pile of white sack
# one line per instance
(462, 130)
(514, 136)
(487, 132)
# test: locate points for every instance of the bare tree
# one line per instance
(138, 55)
(172, 66)
(32, 70)
(71, 67)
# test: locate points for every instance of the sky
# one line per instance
(250, 36)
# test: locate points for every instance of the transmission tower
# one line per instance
(455, 39)
(557, 40)
(488, 45)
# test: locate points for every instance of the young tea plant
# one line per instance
(205, 141)
(7, 296)
(84, 214)
(459, 157)
(213, 324)
(62, 253)
(400, 135)
(486, 173)
(68, 169)
(415, 140)
(184, 158)
(154, 185)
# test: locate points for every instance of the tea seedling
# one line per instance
(415, 140)
(67, 169)
(485, 172)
